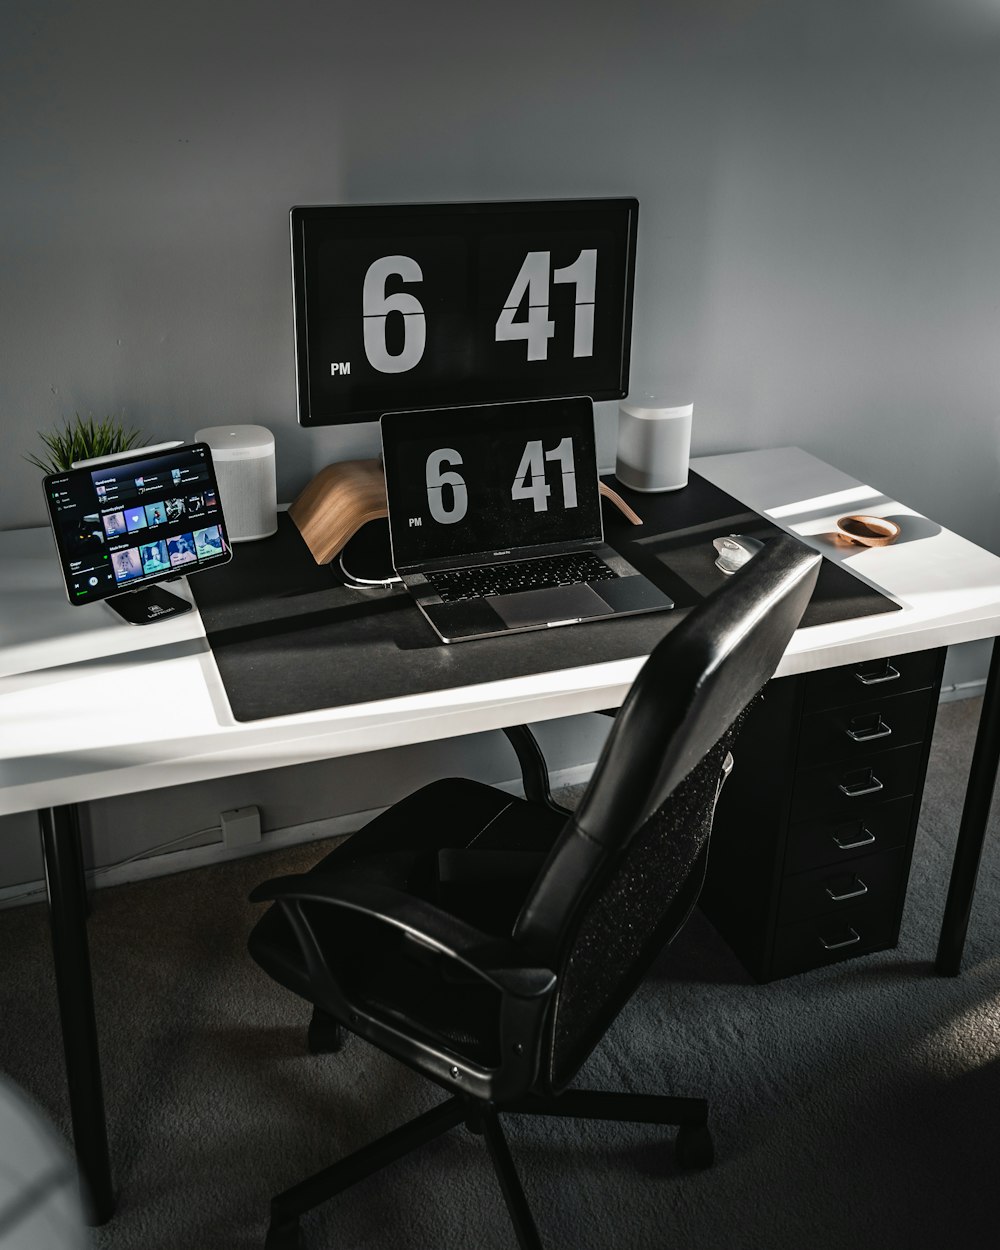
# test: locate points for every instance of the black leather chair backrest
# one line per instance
(628, 867)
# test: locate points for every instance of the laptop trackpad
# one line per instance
(550, 606)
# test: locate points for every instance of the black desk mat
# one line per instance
(288, 636)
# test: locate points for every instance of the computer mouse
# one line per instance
(734, 551)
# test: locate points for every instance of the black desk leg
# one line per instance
(64, 880)
(972, 831)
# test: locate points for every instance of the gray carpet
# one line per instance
(853, 1107)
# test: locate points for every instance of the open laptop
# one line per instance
(495, 519)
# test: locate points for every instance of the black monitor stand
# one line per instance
(151, 603)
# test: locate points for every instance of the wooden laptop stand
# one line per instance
(346, 495)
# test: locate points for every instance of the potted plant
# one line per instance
(83, 439)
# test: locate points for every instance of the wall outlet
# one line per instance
(240, 826)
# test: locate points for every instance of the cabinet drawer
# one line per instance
(872, 678)
(838, 888)
(817, 843)
(827, 939)
(845, 790)
(851, 730)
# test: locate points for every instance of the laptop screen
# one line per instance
(490, 478)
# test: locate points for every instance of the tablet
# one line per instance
(126, 522)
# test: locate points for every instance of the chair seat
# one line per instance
(467, 847)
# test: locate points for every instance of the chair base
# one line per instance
(692, 1149)
(325, 1036)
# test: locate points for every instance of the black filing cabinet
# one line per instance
(814, 829)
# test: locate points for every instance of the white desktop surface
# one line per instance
(91, 706)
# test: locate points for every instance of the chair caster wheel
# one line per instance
(284, 1235)
(325, 1036)
(694, 1148)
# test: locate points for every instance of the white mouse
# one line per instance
(734, 551)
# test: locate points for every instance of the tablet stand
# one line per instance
(151, 603)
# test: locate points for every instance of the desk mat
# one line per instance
(288, 636)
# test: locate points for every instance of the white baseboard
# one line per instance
(167, 863)
(963, 690)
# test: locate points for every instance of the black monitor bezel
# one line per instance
(301, 214)
(145, 582)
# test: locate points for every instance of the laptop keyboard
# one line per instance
(506, 579)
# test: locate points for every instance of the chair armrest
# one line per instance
(495, 960)
(468, 865)
(534, 770)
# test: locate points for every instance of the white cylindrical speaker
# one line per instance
(654, 443)
(243, 456)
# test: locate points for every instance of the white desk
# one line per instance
(63, 671)
(66, 741)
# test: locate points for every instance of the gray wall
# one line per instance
(819, 189)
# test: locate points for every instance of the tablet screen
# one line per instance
(148, 517)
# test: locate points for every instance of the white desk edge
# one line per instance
(92, 707)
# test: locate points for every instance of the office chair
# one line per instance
(489, 941)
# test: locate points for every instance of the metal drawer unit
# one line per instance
(814, 830)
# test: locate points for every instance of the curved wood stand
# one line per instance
(338, 501)
(344, 496)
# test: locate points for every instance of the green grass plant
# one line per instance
(83, 439)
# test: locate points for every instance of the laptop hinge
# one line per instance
(478, 559)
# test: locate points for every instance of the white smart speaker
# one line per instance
(654, 443)
(243, 456)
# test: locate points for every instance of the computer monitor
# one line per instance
(405, 306)
(123, 524)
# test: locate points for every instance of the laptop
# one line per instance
(495, 519)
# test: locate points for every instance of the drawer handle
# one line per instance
(866, 839)
(856, 893)
(881, 730)
(859, 789)
(853, 940)
(870, 679)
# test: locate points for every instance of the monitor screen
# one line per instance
(145, 518)
(430, 305)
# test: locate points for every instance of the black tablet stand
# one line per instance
(151, 603)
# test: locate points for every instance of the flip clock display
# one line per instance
(404, 307)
